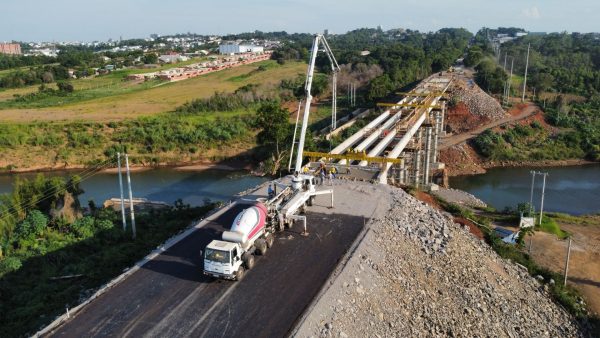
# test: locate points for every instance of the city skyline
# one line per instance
(67, 20)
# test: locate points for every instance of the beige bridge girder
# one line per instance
(413, 111)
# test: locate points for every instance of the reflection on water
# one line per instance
(574, 190)
(165, 184)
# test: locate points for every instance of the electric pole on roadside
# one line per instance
(567, 262)
(512, 62)
(543, 190)
(121, 190)
(531, 194)
(525, 79)
(130, 196)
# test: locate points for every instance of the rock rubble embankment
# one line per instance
(418, 274)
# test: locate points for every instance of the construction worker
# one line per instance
(270, 191)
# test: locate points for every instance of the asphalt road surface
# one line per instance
(170, 297)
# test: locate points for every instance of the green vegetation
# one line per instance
(528, 142)
(52, 255)
(550, 226)
(490, 76)
(577, 135)
(567, 296)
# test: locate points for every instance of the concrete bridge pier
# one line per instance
(427, 162)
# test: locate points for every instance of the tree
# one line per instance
(150, 58)
(274, 123)
(65, 87)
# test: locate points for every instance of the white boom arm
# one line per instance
(307, 87)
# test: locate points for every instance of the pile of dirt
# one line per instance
(459, 119)
(417, 273)
(462, 159)
(477, 101)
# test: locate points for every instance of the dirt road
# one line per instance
(449, 141)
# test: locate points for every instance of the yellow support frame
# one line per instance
(442, 94)
(408, 105)
(352, 157)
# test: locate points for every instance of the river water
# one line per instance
(165, 184)
(574, 190)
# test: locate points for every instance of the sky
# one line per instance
(88, 20)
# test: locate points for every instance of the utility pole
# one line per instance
(531, 194)
(130, 196)
(567, 262)
(512, 62)
(505, 61)
(121, 189)
(525, 80)
(543, 190)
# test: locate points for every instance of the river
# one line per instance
(164, 184)
(573, 189)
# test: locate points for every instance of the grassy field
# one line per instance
(108, 98)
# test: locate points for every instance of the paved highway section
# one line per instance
(170, 297)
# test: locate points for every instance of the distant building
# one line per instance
(10, 48)
(172, 58)
(519, 34)
(235, 48)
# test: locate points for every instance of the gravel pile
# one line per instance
(478, 101)
(460, 197)
(418, 274)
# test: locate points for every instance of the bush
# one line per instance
(33, 225)
(83, 227)
(9, 264)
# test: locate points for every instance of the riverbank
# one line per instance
(462, 160)
(226, 165)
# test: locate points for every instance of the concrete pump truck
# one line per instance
(252, 231)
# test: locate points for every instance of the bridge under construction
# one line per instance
(400, 145)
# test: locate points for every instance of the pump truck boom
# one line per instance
(252, 231)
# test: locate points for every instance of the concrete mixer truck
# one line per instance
(250, 233)
(253, 228)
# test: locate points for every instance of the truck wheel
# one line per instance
(248, 261)
(261, 246)
(310, 201)
(239, 274)
(269, 239)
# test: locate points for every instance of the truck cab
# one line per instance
(223, 260)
